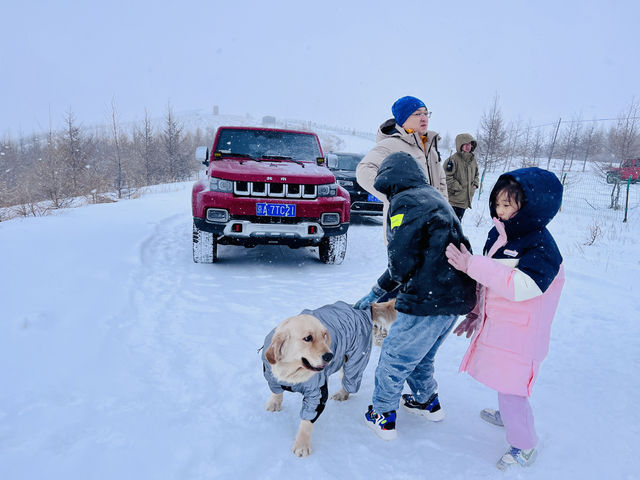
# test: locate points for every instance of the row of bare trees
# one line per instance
(574, 142)
(50, 171)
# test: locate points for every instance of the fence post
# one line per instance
(481, 182)
(626, 203)
(555, 135)
(564, 177)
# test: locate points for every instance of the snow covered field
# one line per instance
(122, 359)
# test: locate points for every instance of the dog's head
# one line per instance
(383, 315)
(300, 348)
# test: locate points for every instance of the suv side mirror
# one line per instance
(332, 160)
(202, 155)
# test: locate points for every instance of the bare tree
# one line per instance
(7, 175)
(512, 141)
(172, 139)
(591, 139)
(51, 171)
(536, 147)
(491, 137)
(624, 137)
(118, 182)
(74, 155)
(569, 144)
(144, 149)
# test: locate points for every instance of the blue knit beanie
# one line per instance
(404, 107)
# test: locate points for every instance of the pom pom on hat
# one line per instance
(404, 107)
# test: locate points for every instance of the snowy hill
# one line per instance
(122, 359)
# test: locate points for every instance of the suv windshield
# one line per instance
(269, 144)
(347, 161)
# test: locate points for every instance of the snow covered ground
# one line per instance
(122, 359)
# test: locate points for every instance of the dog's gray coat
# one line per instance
(350, 331)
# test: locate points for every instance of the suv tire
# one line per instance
(205, 246)
(332, 250)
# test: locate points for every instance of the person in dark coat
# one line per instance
(431, 293)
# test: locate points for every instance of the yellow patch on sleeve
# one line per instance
(396, 220)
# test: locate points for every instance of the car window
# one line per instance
(256, 143)
(348, 162)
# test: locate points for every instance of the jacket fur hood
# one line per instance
(465, 138)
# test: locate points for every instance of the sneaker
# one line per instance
(384, 424)
(517, 456)
(492, 416)
(431, 409)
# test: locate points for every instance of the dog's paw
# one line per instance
(274, 404)
(301, 449)
(340, 396)
(302, 443)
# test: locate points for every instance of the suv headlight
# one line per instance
(328, 190)
(346, 183)
(220, 185)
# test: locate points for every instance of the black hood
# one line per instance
(542, 200)
(398, 172)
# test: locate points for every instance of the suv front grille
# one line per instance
(274, 190)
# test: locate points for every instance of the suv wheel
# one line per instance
(205, 246)
(612, 178)
(333, 249)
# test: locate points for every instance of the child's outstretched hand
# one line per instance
(468, 325)
(459, 259)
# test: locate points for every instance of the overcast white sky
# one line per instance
(335, 61)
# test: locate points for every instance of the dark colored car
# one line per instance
(343, 166)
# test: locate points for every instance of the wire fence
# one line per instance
(588, 194)
(591, 195)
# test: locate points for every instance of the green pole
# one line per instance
(626, 203)
(481, 183)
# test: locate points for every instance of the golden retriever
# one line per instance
(304, 350)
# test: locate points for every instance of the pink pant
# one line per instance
(517, 417)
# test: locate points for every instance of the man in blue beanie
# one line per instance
(406, 132)
(404, 107)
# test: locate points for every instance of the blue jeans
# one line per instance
(407, 354)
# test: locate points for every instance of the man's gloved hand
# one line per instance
(371, 297)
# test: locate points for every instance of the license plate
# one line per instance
(371, 198)
(275, 210)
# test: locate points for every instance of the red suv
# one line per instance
(627, 168)
(268, 186)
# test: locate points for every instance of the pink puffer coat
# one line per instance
(514, 322)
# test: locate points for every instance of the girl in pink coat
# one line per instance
(520, 277)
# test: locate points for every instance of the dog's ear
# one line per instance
(273, 354)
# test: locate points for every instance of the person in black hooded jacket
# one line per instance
(431, 293)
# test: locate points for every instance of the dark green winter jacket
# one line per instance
(461, 169)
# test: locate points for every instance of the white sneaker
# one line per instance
(518, 456)
(492, 416)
